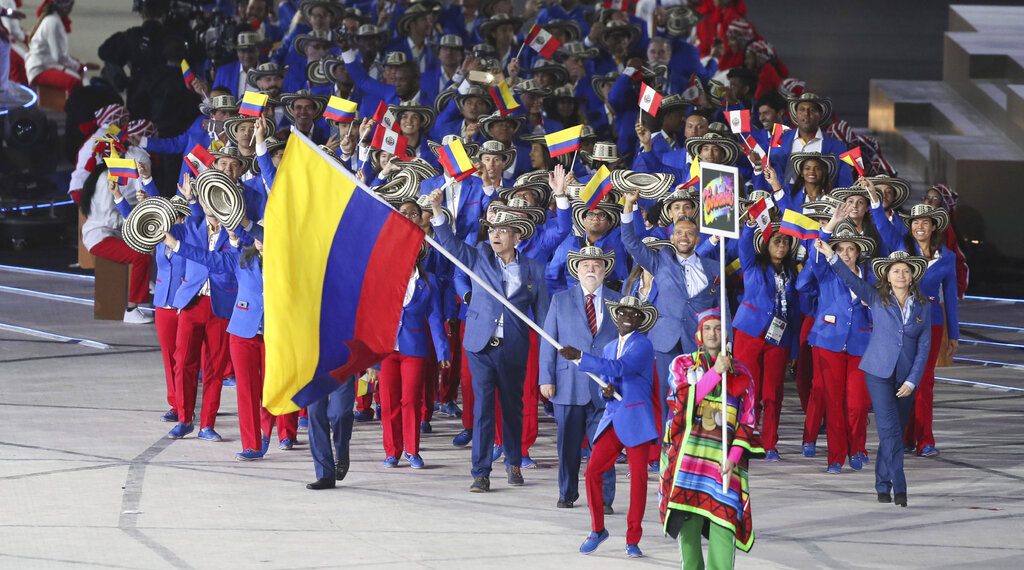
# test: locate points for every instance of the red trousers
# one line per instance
(805, 364)
(531, 398)
(116, 250)
(198, 327)
(602, 458)
(287, 424)
(466, 379)
(815, 412)
(429, 384)
(919, 428)
(450, 378)
(659, 424)
(59, 79)
(166, 332)
(401, 397)
(846, 403)
(248, 355)
(767, 365)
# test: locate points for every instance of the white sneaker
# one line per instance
(137, 317)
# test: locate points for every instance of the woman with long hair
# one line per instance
(895, 357)
(814, 175)
(49, 63)
(942, 196)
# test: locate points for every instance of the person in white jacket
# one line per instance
(10, 33)
(49, 63)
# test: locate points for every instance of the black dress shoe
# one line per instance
(563, 504)
(320, 484)
(515, 476)
(341, 469)
(884, 498)
(480, 485)
(608, 510)
(900, 499)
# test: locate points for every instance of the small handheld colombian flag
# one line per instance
(187, 74)
(598, 187)
(542, 41)
(504, 99)
(455, 161)
(854, 159)
(564, 141)
(252, 104)
(340, 110)
(798, 225)
(121, 168)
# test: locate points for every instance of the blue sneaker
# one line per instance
(264, 445)
(286, 444)
(653, 467)
(810, 449)
(248, 455)
(593, 541)
(170, 416)
(376, 412)
(464, 438)
(303, 426)
(496, 453)
(452, 409)
(834, 469)
(425, 427)
(864, 459)
(181, 430)
(855, 462)
(208, 434)
(633, 551)
(363, 416)
(929, 451)
(621, 458)
(230, 382)
(390, 461)
(772, 455)
(415, 461)
(528, 463)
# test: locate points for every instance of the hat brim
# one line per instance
(865, 244)
(221, 196)
(823, 102)
(759, 240)
(579, 211)
(918, 265)
(254, 74)
(541, 190)
(667, 201)
(487, 122)
(524, 226)
(900, 187)
(489, 25)
(558, 70)
(648, 313)
(148, 222)
(535, 214)
(652, 186)
(471, 148)
(798, 159)
(842, 194)
(288, 98)
(427, 115)
(731, 148)
(938, 215)
(572, 264)
(509, 155)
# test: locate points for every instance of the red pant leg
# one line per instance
(412, 401)
(188, 349)
(919, 428)
(637, 458)
(247, 356)
(428, 382)
(858, 402)
(805, 364)
(59, 79)
(655, 452)
(747, 349)
(450, 378)
(815, 403)
(531, 394)
(834, 375)
(17, 73)
(390, 387)
(287, 426)
(214, 367)
(116, 250)
(603, 454)
(773, 374)
(166, 332)
(466, 379)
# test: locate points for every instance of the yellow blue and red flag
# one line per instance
(504, 100)
(564, 141)
(187, 74)
(798, 225)
(121, 168)
(252, 104)
(337, 265)
(455, 161)
(598, 187)
(340, 110)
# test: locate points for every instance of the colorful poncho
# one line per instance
(691, 481)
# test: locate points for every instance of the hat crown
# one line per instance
(756, 195)
(368, 30)
(591, 251)
(223, 101)
(605, 150)
(493, 146)
(395, 58)
(502, 217)
(518, 203)
(922, 210)
(451, 40)
(631, 302)
(845, 229)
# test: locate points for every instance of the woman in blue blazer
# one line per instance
(402, 372)
(767, 325)
(839, 335)
(895, 357)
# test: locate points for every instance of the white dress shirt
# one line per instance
(813, 145)
(598, 303)
(622, 344)
(693, 273)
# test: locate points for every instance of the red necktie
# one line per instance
(591, 314)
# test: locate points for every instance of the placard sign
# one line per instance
(719, 200)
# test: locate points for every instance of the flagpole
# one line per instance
(725, 391)
(455, 260)
(520, 52)
(573, 164)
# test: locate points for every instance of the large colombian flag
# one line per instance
(337, 264)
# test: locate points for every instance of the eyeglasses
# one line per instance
(597, 216)
(499, 231)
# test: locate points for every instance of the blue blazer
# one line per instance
(840, 322)
(894, 348)
(169, 272)
(228, 75)
(223, 285)
(181, 144)
(758, 306)
(483, 312)
(632, 374)
(677, 311)
(548, 236)
(247, 313)
(780, 160)
(472, 203)
(567, 323)
(421, 322)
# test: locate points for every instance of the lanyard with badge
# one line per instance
(778, 324)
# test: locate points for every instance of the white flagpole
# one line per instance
(725, 391)
(455, 260)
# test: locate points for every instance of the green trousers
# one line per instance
(721, 545)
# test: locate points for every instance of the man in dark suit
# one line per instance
(578, 317)
(496, 341)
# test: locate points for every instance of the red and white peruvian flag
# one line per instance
(650, 100)
(739, 120)
(542, 42)
(621, 5)
(198, 159)
(389, 141)
(750, 147)
(760, 212)
(384, 116)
